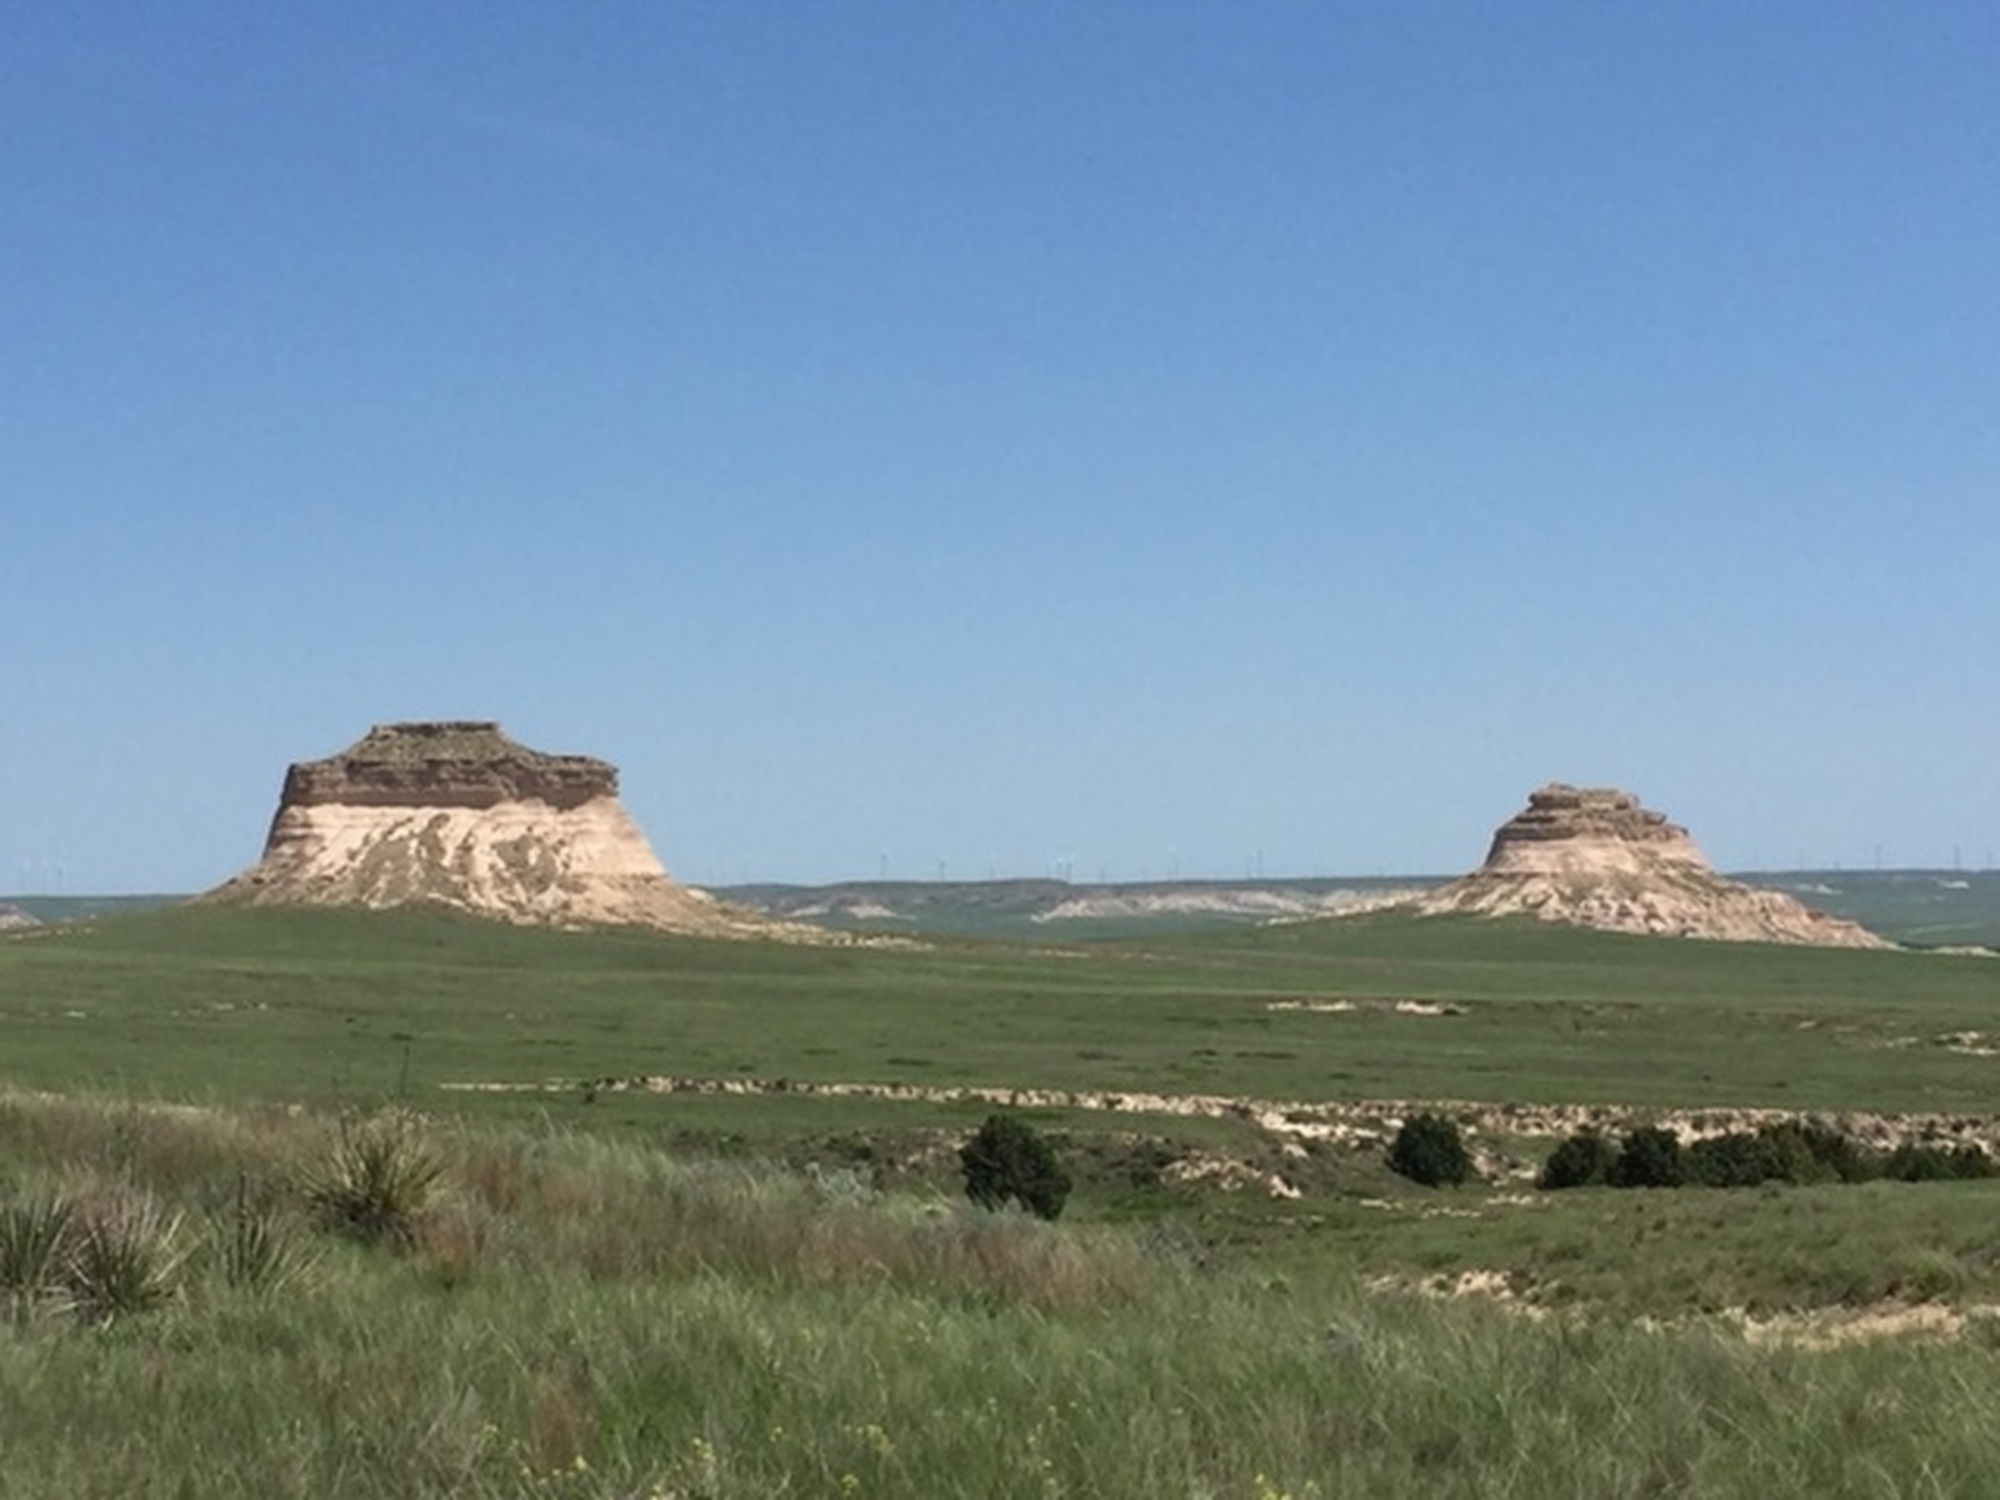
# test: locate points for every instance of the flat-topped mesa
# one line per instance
(455, 814)
(446, 763)
(1593, 857)
(1567, 830)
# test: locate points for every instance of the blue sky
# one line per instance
(1132, 438)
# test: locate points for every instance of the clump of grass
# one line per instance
(455, 1239)
(377, 1182)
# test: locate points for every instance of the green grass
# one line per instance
(585, 1317)
(615, 1293)
(331, 1006)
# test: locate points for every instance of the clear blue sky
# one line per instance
(974, 437)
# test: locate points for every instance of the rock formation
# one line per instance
(13, 916)
(458, 815)
(1593, 857)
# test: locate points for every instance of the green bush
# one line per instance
(1740, 1158)
(1649, 1157)
(1008, 1159)
(1584, 1160)
(1784, 1151)
(1925, 1162)
(1810, 1151)
(1429, 1150)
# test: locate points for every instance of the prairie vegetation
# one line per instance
(575, 1316)
(249, 1245)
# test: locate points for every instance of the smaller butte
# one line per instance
(455, 814)
(1593, 857)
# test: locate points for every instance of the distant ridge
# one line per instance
(1593, 857)
(1041, 908)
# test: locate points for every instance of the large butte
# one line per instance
(455, 814)
(1593, 857)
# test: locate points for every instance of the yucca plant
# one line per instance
(256, 1245)
(376, 1183)
(124, 1258)
(34, 1232)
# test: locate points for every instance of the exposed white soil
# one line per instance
(1351, 1121)
(1673, 900)
(523, 861)
(1392, 1007)
(1829, 1328)
(1271, 905)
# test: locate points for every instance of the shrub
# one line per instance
(1584, 1160)
(1925, 1162)
(1739, 1158)
(1784, 1151)
(376, 1182)
(1429, 1150)
(1649, 1157)
(1007, 1159)
(1838, 1155)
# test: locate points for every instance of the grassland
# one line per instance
(618, 1293)
(326, 1007)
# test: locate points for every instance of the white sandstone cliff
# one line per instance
(1593, 857)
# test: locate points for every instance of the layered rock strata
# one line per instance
(456, 814)
(1593, 857)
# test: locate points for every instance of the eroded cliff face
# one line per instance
(1593, 857)
(456, 814)
(454, 763)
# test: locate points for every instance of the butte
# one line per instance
(1593, 857)
(455, 814)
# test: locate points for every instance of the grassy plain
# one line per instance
(325, 1007)
(626, 1294)
(580, 1316)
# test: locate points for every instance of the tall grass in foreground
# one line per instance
(575, 1317)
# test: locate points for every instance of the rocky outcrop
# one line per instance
(1593, 857)
(456, 814)
(457, 763)
(13, 917)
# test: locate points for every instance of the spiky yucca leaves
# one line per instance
(254, 1243)
(376, 1182)
(33, 1235)
(124, 1257)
